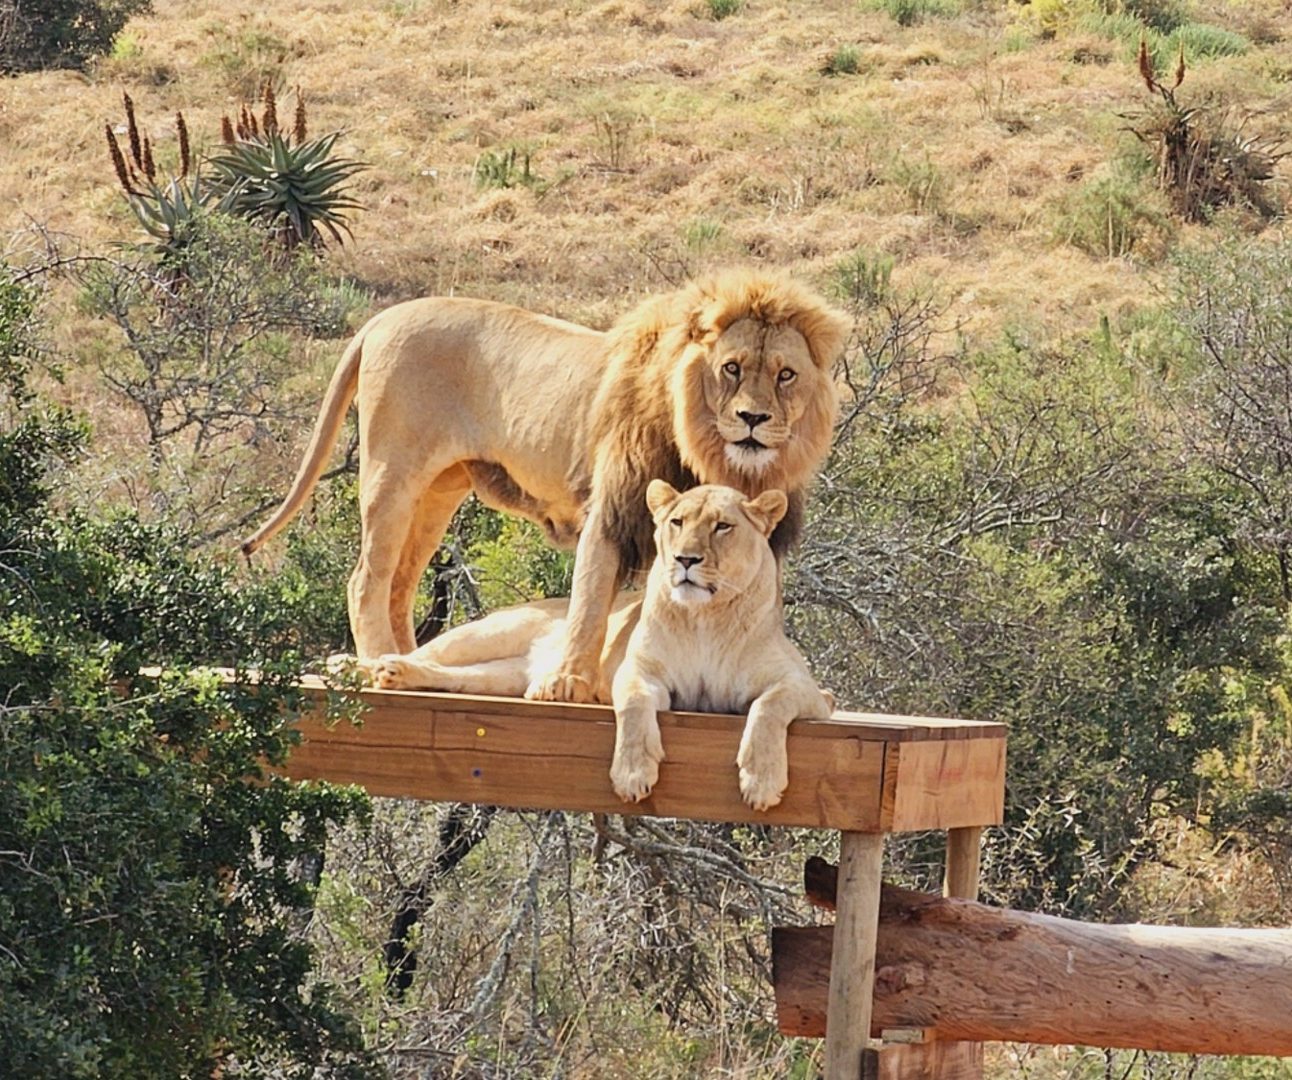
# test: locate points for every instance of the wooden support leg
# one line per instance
(963, 846)
(912, 1054)
(852, 960)
(942, 1060)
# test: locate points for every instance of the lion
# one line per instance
(705, 635)
(727, 380)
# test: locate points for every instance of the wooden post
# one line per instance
(917, 1053)
(852, 965)
(963, 848)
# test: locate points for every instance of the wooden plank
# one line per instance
(945, 784)
(971, 972)
(845, 773)
(880, 726)
(852, 971)
(442, 751)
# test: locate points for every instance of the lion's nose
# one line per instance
(753, 419)
(689, 561)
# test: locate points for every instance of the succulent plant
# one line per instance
(297, 189)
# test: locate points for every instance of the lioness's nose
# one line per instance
(753, 419)
(689, 561)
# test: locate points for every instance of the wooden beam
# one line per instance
(852, 973)
(963, 970)
(847, 773)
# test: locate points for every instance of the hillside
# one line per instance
(663, 140)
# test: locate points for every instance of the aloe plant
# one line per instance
(167, 212)
(297, 189)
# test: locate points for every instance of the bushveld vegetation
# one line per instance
(1059, 494)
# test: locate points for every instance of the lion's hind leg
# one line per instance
(423, 531)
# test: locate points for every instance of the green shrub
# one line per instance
(923, 182)
(1033, 553)
(198, 351)
(910, 12)
(154, 880)
(1110, 217)
(505, 169)
(40, 34)
(1201, 41)
(862, 279)
(722, 9)
(1163, 16)
(845, 60)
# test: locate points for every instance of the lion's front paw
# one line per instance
(634, 772)
(764, 774)
(561, 686)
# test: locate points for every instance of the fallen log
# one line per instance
(963, 970)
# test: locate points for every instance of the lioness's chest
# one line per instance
(705, 676)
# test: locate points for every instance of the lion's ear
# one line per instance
(767, 510)
(660, 495)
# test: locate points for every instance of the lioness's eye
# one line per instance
(787, 375)
(723, 526)
(675, 522)
(732, 369)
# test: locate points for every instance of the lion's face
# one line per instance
(757, 383)
(711, 541)
(754, 398)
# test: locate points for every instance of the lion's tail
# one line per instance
(340, 392)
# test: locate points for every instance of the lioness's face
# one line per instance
(758, 381)
(711, 540)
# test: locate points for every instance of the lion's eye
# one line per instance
(723, 526)
(732, 369)
(675, 522)
(787, 375)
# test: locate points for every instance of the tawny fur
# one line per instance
(707, 634)
(566, 426)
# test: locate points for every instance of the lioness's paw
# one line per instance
(762, 792)
(633, 774)
(764, 774)
(562, 687)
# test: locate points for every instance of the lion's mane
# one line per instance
(651, 419)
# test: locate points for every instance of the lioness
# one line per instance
(727, 380)
(706, 634)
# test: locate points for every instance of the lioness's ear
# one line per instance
(660, 495)
(767, 510)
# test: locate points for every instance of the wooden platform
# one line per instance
(863, 774)
(857, 772)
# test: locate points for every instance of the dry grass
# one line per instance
(641, 121)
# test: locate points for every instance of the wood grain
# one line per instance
(508, 752)
(852, 969)
(966, 971)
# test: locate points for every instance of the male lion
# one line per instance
(706, 634)
(727, 380)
